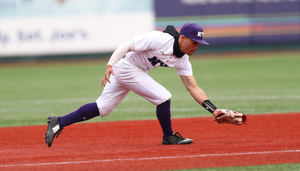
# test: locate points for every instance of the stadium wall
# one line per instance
(254, 24)
(55, 29)
(67, 27)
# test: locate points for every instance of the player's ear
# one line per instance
(181, 38)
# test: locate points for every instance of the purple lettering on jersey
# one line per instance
(154, 61)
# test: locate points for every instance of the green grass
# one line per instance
(252, 85)
(275, 167)
(268, 83)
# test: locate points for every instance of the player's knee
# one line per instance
(169, 100)
(166, 102)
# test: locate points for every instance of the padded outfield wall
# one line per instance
(235, 22)
(66, 28)
(56, 27)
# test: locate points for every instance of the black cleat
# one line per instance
(176, 138)
(54, 128)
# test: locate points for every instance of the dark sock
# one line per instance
(85, 112)
(163, 113)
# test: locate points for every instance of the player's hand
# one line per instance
(230, 117)
(216, 112)
(108, 71)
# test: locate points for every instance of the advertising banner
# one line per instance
(49, 27)
(235, 21)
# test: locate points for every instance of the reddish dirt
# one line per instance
(136, 145)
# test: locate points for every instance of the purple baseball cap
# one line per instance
(194, 32)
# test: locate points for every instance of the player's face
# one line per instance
(188, 46)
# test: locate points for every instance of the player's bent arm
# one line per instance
(120, 52)
(107, 73)
(196, 92)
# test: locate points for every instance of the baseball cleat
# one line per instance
(53, 129)
(176, 138)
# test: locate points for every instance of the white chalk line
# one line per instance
(152, 158)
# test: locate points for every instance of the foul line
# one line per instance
(152, 158)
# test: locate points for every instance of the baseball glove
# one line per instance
(230, 117)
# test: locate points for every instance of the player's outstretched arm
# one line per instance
(220, 115)
(196, 92)
(191, 85)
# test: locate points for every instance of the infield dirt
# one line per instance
(136, 145)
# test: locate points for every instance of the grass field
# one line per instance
(256, 83)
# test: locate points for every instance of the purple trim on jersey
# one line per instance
(194, 32)
(163, 113)
(85, 112)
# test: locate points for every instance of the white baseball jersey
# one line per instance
(131, 73)
(156, 49)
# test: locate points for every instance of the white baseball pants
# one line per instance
(129, 77)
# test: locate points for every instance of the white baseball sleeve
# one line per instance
(120, 52)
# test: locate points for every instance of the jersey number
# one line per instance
(155, 61)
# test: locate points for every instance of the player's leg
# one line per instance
(163, 114)
(138, 81)
(56, 124)
(160, 96)
(111, 96)
(85, 112)
(142, 84)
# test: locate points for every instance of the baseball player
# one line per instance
(127, 70)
